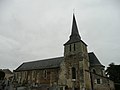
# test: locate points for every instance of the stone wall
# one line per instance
(44, 76)
(76, 55)
(105, 83)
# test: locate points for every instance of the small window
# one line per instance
(73, 73)
(98, 81)
(70, 48)
(74, 47)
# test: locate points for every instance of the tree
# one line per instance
(2, 75)
(113, 72)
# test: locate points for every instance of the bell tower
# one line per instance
(76, 60)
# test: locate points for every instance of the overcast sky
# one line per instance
(37, 29)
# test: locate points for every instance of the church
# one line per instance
(76, 70)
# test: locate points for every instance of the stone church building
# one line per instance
(76, 70)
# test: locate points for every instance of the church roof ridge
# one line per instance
(44, 59)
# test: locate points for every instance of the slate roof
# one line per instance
(7, 71)
(93, 59)
(41, 64)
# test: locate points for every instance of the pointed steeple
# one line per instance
(74, 33)
(74, 37)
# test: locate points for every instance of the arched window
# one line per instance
(45, 73)
(66, 87)
(94, 71)
(73, 73)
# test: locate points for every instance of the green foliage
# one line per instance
(2, 75)
(113, 72)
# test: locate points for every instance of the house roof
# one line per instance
(93, 59)
(41, 64)
(7, 71)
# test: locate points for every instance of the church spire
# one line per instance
(74, 37)
(74, 33)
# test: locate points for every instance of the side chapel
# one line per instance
(76, 70)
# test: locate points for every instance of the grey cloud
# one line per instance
(31, 30)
